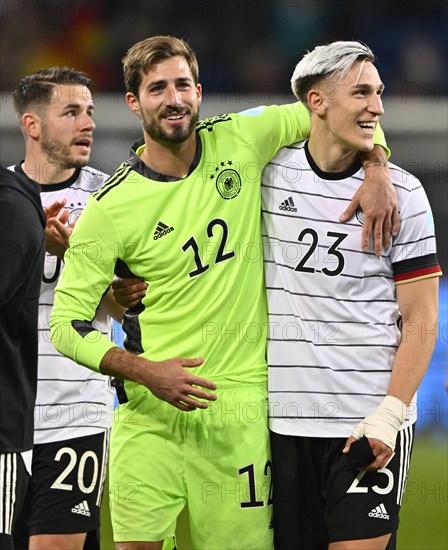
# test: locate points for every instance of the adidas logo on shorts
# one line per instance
(288, 205)
(162, 230)
(379, 512)
(82, 508)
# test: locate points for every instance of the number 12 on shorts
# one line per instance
(253, 487)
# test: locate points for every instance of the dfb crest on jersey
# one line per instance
(228, 183)
(74, 215)
(360, 215)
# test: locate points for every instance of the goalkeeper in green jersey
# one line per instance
(183, 215)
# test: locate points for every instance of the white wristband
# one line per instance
(384, 423)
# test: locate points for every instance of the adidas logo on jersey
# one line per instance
(82, 508)
(288, 205)
(162, 230)
(379, 512)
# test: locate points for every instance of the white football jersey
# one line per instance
(334, 323)
(72, 401)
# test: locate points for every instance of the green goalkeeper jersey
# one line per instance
(196, 241)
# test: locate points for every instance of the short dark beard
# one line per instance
(177, 134)
(58, 153)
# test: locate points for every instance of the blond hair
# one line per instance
(333, 59)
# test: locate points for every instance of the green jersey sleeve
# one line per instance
(270, 128)
(89, 269)
(277, 126)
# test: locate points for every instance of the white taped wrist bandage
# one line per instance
(384, 423)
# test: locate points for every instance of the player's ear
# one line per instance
(31, 124)
(133, 103)
(316, 101)
(199, 93)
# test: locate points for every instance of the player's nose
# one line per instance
(87, 122)
(376, 105)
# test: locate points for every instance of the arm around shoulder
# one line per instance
(378, 199)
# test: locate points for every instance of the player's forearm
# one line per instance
(376, 158)
(412, 358)
(122, 364)
(110, 306)
(411, 362)
(378, 199)
(168, 380)
(419, 333)
(73, 333)
(78, 340)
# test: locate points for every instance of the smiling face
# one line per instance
(351, 106)
(66, 130)
(168, 101)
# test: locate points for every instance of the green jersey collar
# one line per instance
(139, 166)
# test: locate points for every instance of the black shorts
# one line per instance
(317, 500)
(13, 483)
(65, 489)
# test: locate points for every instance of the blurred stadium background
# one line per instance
(247, 51)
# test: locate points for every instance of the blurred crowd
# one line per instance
(243, 46)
